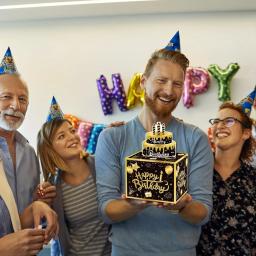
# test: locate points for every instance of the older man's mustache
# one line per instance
(11, 112)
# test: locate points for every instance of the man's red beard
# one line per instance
(160, 113)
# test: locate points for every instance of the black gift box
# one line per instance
(156, 179)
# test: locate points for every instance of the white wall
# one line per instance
(65, 57)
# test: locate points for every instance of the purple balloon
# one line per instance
(107, 95)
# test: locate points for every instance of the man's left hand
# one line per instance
(41, 211)
(176, 208)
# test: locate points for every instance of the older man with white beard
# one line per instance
(18, 158)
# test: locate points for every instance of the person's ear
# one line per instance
(143, 82)
(247, 133)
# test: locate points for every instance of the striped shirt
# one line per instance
(88, 234)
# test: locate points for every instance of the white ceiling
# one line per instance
(124, 8)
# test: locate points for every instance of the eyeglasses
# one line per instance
(228, 121)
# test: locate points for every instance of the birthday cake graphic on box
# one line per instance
(157, 172)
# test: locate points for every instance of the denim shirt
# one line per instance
(22, 180)
(5, 219)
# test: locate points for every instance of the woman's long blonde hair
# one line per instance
(49, 158)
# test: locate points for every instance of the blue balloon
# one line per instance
(96, 130)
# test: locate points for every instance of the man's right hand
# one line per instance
(124, 208)
(25, 242)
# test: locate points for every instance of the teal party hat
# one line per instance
(174, 44)
(7, 65)
(55, 111)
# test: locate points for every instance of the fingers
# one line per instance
(36, 242)
(123, 196)
(52, 226)
(37, 219)
(133, 201)
(33, 240)
(24, 242)
(34, 233)
(46, 191)
(50, 189)
(49, 195)
(189, 198)
(43, 211)
(139, 204)
(46, 184)
(186, 199)
(42, 188)
(40, 191)
(116, 124)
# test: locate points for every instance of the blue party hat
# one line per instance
(55, 111)
(248, 102)
(7, 65)
(174, 44)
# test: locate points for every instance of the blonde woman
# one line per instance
(82, 232)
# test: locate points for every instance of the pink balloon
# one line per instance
(84, 132)
(187, 92)
(196, 82)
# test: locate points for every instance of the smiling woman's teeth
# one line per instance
(221, 135)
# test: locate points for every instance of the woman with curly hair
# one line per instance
(232, 228)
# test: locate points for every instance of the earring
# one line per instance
(84, 154)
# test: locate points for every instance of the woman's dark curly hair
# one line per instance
(249, 146)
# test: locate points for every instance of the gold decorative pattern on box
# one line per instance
(158, 172)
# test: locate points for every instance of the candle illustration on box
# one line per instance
(157, 172)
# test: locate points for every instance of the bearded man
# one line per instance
(139, 228)
(17, 157)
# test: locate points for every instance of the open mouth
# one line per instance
(221, 135)
(73, 145)
(12, 117)
(165, 100)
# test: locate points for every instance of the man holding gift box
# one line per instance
(141, 228)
